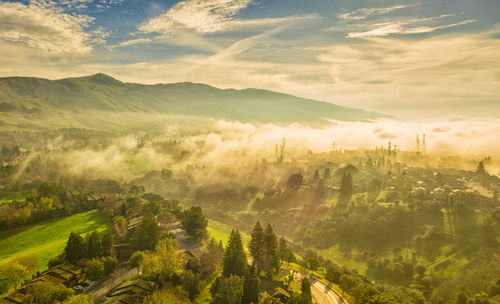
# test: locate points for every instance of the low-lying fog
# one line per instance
(224, 143)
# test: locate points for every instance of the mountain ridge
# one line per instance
(36, 98)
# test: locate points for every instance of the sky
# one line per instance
(412, 59)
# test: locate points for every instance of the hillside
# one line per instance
(89, 101)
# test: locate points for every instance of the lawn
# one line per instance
(220, 232)
(47, 239)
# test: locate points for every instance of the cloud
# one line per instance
(184, 38)
(364, 13)
(132, 42)
(47, 28)
(206, 17)
(402, 28)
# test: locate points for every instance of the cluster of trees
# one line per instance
(479, 298)
(241, 284)
(97, 269)
(94, 245)
(396, 271)
(17, 272)
(264, 249)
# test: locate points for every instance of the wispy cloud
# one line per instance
(364, 13)
(403, 28)
(208, 16)
(47, 28)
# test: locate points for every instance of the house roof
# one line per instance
(15, 297)
(281, 291)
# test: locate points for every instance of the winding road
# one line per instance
(321, 293)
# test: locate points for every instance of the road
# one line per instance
(321, 293)
(99, 289)
(185, 243)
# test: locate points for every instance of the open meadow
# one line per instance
(47, 239)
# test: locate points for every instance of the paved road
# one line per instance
(100, 289)
(321, 293)
(185, 243)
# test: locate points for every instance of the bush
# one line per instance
(58, 260)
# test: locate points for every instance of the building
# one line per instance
(131, 292)
(68, 275)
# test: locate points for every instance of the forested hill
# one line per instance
(35, 102)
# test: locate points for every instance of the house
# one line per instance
(118, 249)
(15, 297)
(134, 222)
(67, 275)
(281, 294)
(130, 292)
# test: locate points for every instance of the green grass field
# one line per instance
(220, 232)
(47, 239)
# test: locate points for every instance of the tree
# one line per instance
(227, 290)
(346, 189)
(305, 288)
(251, 287)
(137, 259)
(256, 245)
(93, 245)
(480, 168)
(494, 289)
(313, 263)
(211, 258)
(326, 174)
(271, 254)
(285, 253)
(120, 226)
(165, 264)
(146, 235)
(191, 284)
(194, 223)
(48, 293)
(235, 260)
(193, 264)
(333, 273)
(13, 274)
(75, 248)
(316, 175)
(106, 244)
(462, 298)
(167, 296)
(110, 264)
(94, 269)
(79, 299)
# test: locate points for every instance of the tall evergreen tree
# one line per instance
(251, 289)
(93, 245)
(285, 253)
(235, 260)
(75, 248)
(305, 287)
(106, 243)
(271, 255)
(316, 175)
(346, 189)
(256, 246)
